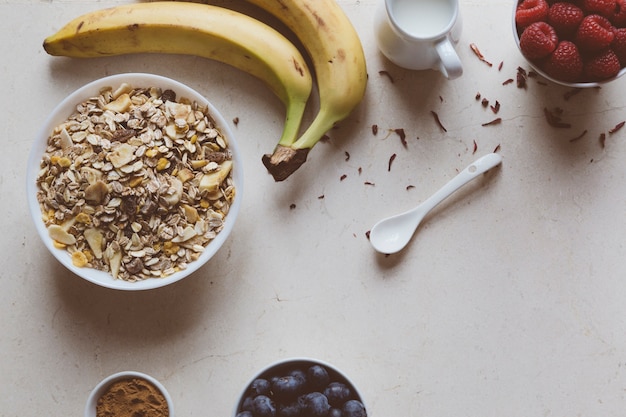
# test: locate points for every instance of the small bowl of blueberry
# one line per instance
(300, 387)
(575, 43)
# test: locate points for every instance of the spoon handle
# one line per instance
(478, 167)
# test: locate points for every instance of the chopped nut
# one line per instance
(96, 192)
(174, 192)
(95, 240)
(59, 234)
(187, 233)
(191, 213)
(211, 182)
(185, 175)
(124, 88)
(120, 105)
(92, 175)
(122, 155)
(115, 262)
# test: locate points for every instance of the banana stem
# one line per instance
(323, 122)
(293, 119)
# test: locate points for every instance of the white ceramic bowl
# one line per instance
(282, 367)
(62, 112)
(552, 79)
(100, 389)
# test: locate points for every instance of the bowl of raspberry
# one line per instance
(300, 387)
(576, 43)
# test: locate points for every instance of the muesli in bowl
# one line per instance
(134, 182)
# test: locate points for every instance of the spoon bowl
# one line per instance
(392, 234)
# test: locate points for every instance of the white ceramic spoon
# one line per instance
(391, 235)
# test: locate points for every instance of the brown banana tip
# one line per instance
(284, 162)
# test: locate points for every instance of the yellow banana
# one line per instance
(194, 29)
(339, 64)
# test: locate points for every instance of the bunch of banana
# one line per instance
(244, 42)
(194, 29)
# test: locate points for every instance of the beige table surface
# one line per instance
(510, 301)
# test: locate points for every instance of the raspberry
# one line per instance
(602, 66)
(618, 15)
(619, 45)
(530, 11)
(538, 40)
(565, 18)
(601, 7)
(564, 63)
(594, 33)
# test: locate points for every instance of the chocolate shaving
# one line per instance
(496, 121)
(508, 81)
(386, 74)
(496, 107)
(408, 187)
(343, 177)
(438, 121)
(571, 93)
(485, 102)
(496, 149)
(391, 159)
(521, 77)
(347, 155)
(602, 139)
(292, 206)
(320, 197)
(475, 148)
(500, 65)
(617, 127)
(477, 96)
(554, 118)
(579, 136)
(479, 54)
(400, 132)
(375, 129)
(369, 183)
(236, 121)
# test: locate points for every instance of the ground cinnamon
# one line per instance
(133, 397)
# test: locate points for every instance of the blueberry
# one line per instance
(287, 388)
(247, 404)
(293, 409)
(263, 406)
(335, 412)
(259, 386)
(245, 414)
(337, 393)
(300, 375)
(318, 377)
(315, 405)
(353, 408)
(273, 380)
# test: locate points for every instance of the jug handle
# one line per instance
(449, 62)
